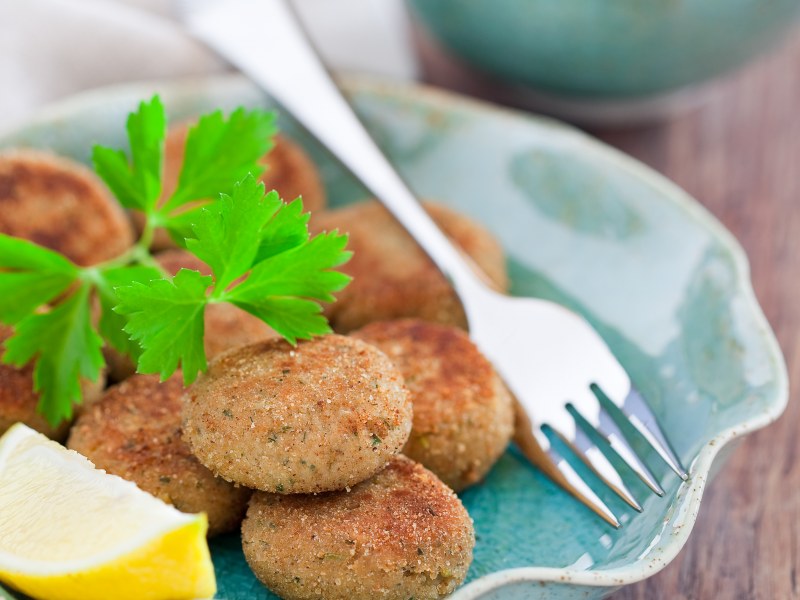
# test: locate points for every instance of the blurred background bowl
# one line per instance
(603, 60)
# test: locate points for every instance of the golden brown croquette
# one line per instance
(290, 171)
(134, 431)
(226, 326)
(392, 276)
(463, 413)
(62, 205)
(401, 534)
(18, 400)
(320, 416)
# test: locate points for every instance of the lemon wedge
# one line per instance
(70, 531)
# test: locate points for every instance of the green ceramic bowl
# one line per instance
(600, 49)
(584, 225)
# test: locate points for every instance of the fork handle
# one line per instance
(298, 80)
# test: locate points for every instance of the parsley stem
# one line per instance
(91, 275)
(218, 295)
(142, 256)
(142, 248)
(147, 234)
(120, 261)
(139, 253)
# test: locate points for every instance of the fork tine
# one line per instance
(616, 438)
(594, 458)
(593, 418)
(638, 414)
(537, 448)
(572, 482)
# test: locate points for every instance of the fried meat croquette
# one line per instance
(401, 534)
(289, 170)
(62, 205)
(392, 276)
(320, 416)
(18, 400)
(463, 413)
(134, 431)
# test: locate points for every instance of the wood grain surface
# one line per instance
(739, 155)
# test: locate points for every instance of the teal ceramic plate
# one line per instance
(663, 282)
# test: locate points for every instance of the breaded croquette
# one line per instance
(320, 416)
(401, 534)
(134, 431)
(62, 205)
(463, 413)
(392, 276)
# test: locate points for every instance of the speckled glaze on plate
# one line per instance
(661, 280)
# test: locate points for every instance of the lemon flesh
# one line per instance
(70, 531)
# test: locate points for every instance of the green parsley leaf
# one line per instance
(288, 229)
(281, 290)
(30, 276)
(66, 348)
(136, 184)
(112, 324)
(258, 248)
(180, 226)
(166, 318)
(303, 272)
(227, 233)
(294, 318)
(16, 253)
(248, 233)
(220, 152)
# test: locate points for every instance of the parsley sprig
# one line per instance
(257, 246)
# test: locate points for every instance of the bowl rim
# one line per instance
(653, 561)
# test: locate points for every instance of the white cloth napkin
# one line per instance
(50, 49)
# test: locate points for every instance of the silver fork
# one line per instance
(566, 380)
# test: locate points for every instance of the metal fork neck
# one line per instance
(298, 80)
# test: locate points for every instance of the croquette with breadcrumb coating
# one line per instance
(60, 204)
(463, 413)
(134, 431)
(401, 534)
(320, 416)
(289, 170)
(392, 277)
(18, 400)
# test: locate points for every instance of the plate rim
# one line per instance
(694, 489)
(646, 566)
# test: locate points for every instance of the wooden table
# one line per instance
(739, 155)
